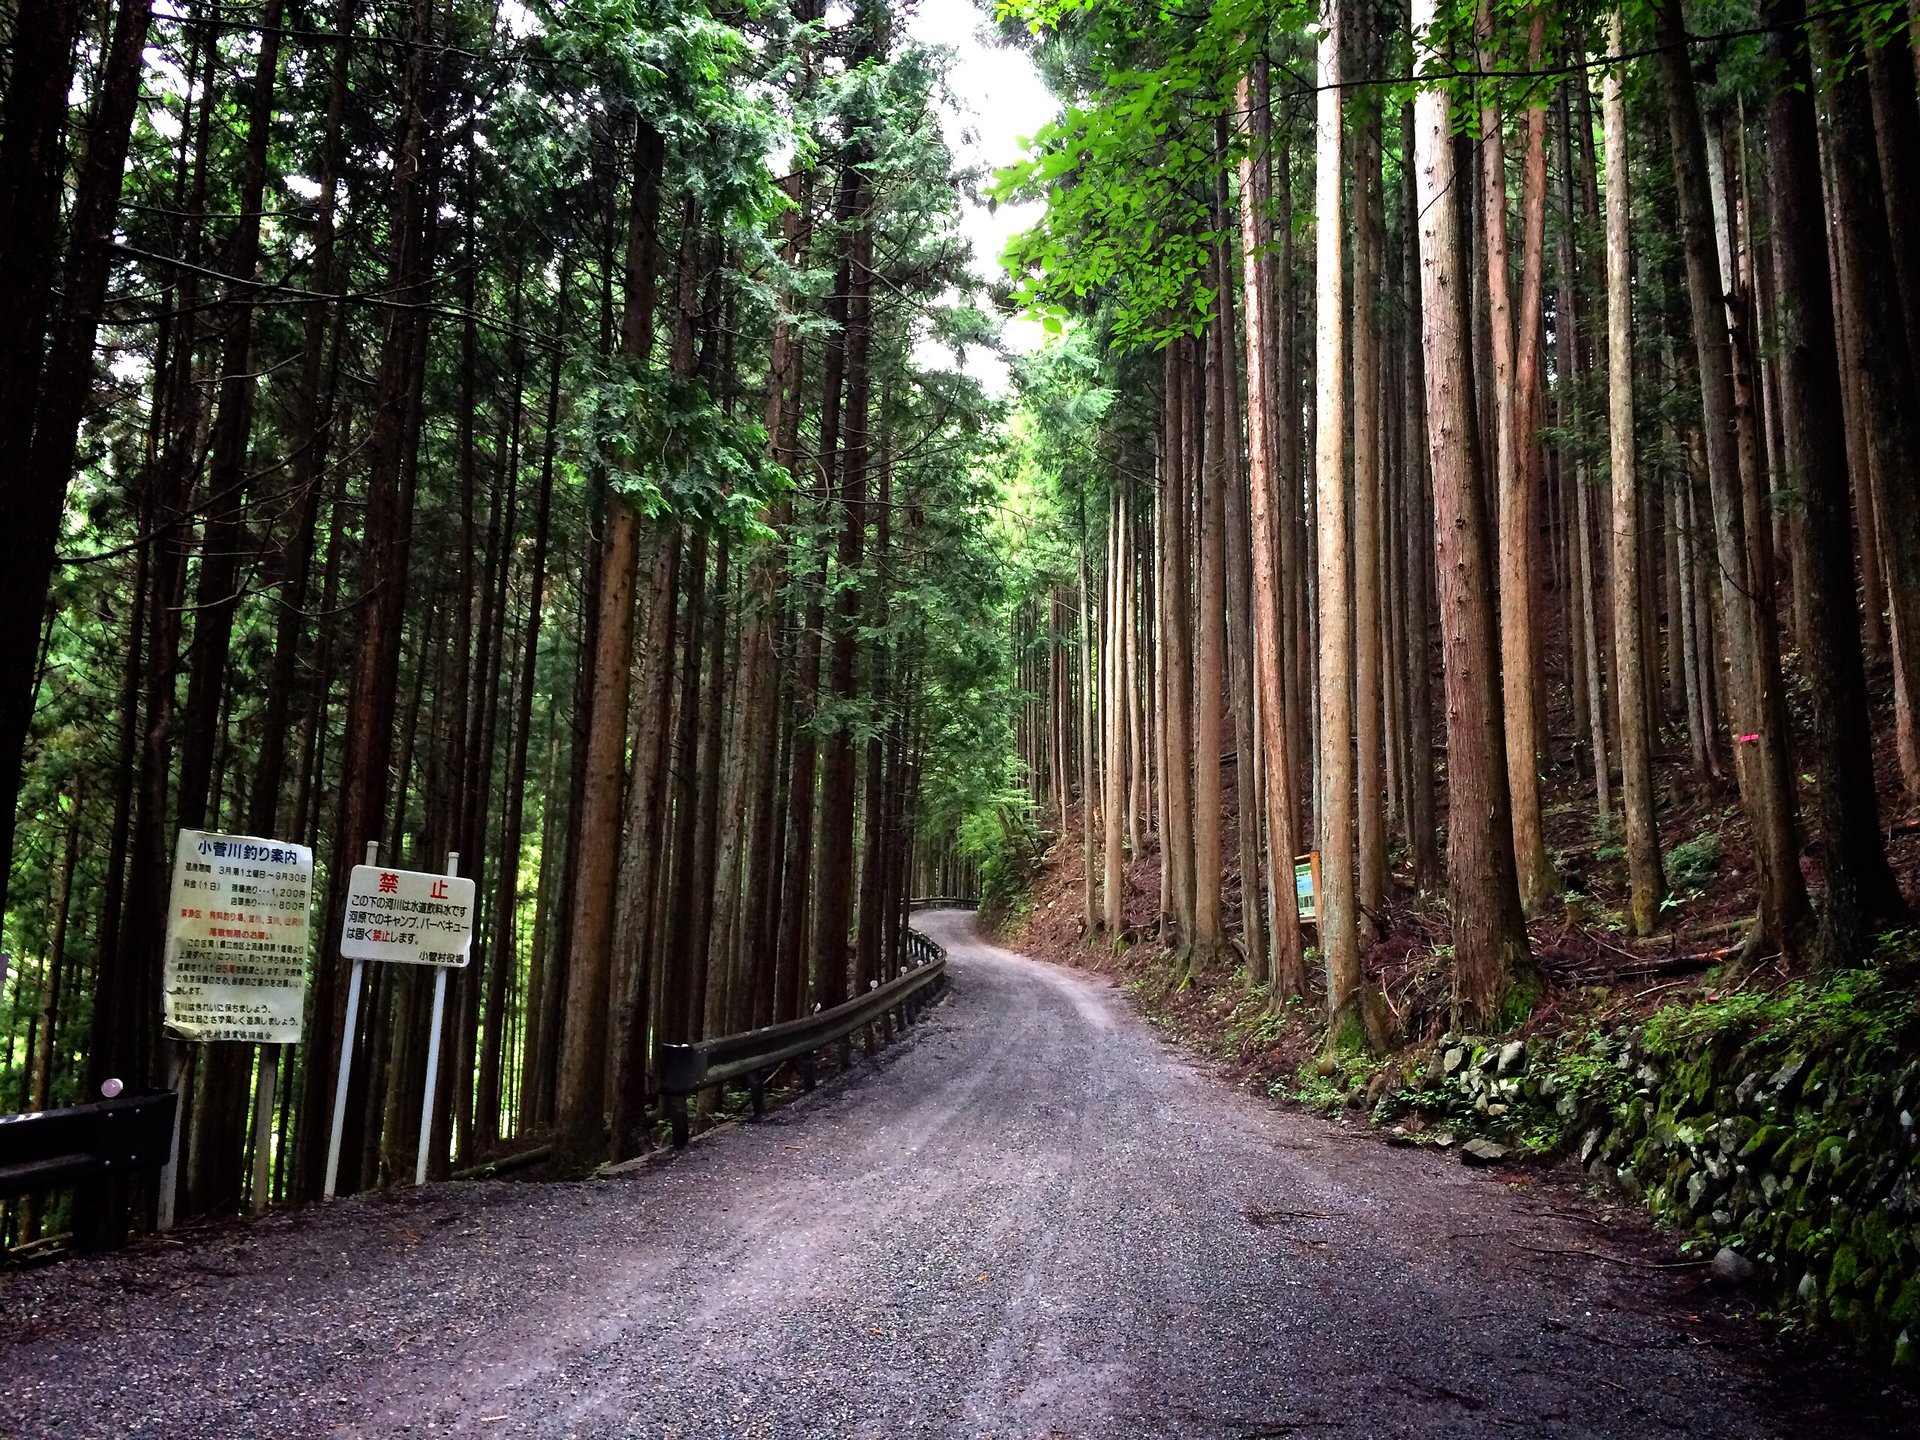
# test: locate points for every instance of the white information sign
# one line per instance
(408, 916)
(237, 939)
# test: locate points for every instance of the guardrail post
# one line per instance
(757, 1087)
(677, 1112)
(806, 1073)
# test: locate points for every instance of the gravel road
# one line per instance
(1032, 1218)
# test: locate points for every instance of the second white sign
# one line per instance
(408, 916)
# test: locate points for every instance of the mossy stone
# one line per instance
(1905, 1309)
(1843, 1270)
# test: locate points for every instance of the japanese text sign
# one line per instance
(237, 939)
(407, 916)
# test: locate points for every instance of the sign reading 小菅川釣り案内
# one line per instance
(407, 916)
(237, 939)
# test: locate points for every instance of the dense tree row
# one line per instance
(1491, 399)
(518, 434)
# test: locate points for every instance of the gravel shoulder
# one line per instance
(1032, 1217)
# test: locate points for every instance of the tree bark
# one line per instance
(1177, 639)
(1861, 893)
(1491, 960)
(33, 166)
(1869, 275)
(392, 472)
(833, 894)
(1113, 727)
(1370, 820)
(1647, 883)
(1517, 423)
(1339, 933)
(580, 1134)
(1758, 762)
(1267, 514)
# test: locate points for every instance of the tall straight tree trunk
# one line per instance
(1138, 661)
(1492, 964)
(1570, 360)
(488, 1122)
(1421, 836)
(1369, 611)
(37, 444)
(1759, 761)
(1267, 513)
(677, 981)
(214, 1161)
(388, 517)
(580, 1135)
(1086, 671)
(1237, 537)
(833, 893)
(1339, 933)
(39, 461)
(1647, 883)
(33, 128)
(690, 948)
(1209, 663)
(1113, 727)
(1869, 275)
(870, 953)
(1516, 426)
(1177, 636)
(37, 1065)
(1861, 893)
(1896, 124)
(796, 885)
(1784, 891)
(746, 844)
(224, 529)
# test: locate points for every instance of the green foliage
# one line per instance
(1692, 863)
(1002, 839)
(1866, 1010)
(669, 448)
(1127, 175)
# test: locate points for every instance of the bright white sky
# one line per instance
(1000, 99)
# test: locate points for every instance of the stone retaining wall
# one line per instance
(1783, 1131)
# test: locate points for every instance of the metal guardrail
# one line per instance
(85, 1144)
(944, 902)
(755, 1054)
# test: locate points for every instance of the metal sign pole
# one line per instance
(170, 1172)
(433, 1051)
(346, 1058)
(263, 1126)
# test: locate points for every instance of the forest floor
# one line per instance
(1033, 1217)
(1596, 975)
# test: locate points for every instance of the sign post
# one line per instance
(433, 1050)
(346, 1057)
(263, 1094)
(405, 917)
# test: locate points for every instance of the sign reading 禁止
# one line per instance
(237, 939)
(408, 916)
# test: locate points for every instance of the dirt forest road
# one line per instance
(1033, 1218)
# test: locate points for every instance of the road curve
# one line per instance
(1032, 1218)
